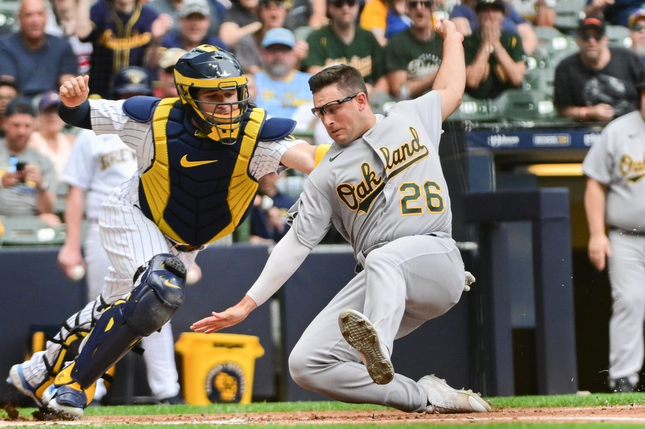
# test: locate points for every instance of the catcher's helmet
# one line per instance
(131, 81)
(208, 67)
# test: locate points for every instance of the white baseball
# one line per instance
(192, 277)
(77, 272)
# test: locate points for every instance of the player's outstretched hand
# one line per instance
(229, 317)
(74, 91)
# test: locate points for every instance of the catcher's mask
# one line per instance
(207, 67)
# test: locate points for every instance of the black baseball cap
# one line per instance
(20, 105)
(595, 22)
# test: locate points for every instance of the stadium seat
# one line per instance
(618, 36)
(541, 79)
(473, 109)
(525, 105)
(568, 14)
(30, 231)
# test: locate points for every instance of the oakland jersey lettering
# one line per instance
(361, 196)
(629, 165)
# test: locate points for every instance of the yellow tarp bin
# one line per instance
(218, 368)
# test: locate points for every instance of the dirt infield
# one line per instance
(617, 414)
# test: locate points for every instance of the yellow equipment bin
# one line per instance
(218, 368)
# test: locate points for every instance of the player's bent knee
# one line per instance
(150, 305)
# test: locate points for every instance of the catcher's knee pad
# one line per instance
(150, 305)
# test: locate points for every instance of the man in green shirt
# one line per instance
(343, 42)
(494, 58)
(414, 54)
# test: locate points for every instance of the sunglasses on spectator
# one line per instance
(415, 4)
(332, 106)
(340, 3)
(638, 27)
(588, 36)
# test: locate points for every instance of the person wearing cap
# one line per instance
(465, 18)
(598, 83)
(27, 177)
(49, 139)
(344, 42)
(615, 12)
(414, 55)
(34, 60)
(8, 91)
(271, 14)
(637, 33)
(123, 33)
(194, 23)
(216, 10)
(165, 84)
(614, 202)
(494, 57)
(281, 87)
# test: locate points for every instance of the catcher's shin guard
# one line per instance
(146, 309)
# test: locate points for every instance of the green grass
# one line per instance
(593, 400)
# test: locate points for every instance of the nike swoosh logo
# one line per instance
(334, 157)
(167, 283)
(188, 164)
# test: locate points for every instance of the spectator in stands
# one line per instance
(194, 22)
(637, 33)
(344, 42)
(8, 91)
(537, 12)
(414, 55)
(216, 10)
(385, 18)
(308, 13)
(165, 85)
(61, 21)
(465, 18)
(494, 57)
(49, 138)
(28, 177)
(271, 14)
(615, 12)
(121, 32)
(598, 83)
(36, 61)
(281, 88)
(240, 20)
(269, 212)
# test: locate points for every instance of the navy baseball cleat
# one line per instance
(359, 333)
(17, 379)
(68, 400)
(443, 399)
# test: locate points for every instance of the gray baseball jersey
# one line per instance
(617, 160)
(386, 185)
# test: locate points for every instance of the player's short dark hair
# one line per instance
(346, 78)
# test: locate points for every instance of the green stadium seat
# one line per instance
(473, 109)
(525, 105)
(618, 36)
(568, 14)
(30, 231)
(541, 79)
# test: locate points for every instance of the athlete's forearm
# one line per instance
(285, 259)
(77, 116)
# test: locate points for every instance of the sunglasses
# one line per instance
(588, 36)
(332, 106)
(340, 3)
(638, 27)
(415, 4)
